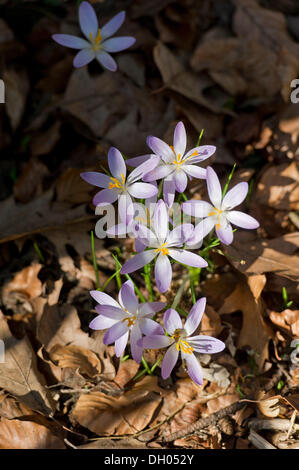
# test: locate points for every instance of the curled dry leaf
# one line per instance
(125, 414)
(247, 298)
(256, 256)
(76, 357)
(268, 406)
(25, 282)
(185, 82)
(19, 374)
(16, 434)
(288, 320)
(10, 408)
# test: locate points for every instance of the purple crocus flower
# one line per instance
(99, 42)
(125, 318)
(117, 186)
(181, 341)
(164, 244)
(219, 214)
(175, 166)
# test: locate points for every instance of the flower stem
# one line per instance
(156, 364)
(94, 261)
(180, 292)
(228, 180)
(146, 366)
(147, 277)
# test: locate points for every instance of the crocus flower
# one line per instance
(117, 186)
(99, 42)
(163, 244)
(175, 166)
(219, 214)
(125, 318)
(181, 341)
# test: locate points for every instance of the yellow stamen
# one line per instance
(115, 183)
(184, 346)
(179, 160)
(96, 41)
(164, 251)
(217, 212)
(130, 320)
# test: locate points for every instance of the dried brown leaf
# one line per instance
(16, 434)
(76, 357)
(288, 320)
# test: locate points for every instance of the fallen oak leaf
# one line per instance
(247, 298)
(122, 415)
(288, 321)
(76, 357)
(19, 374)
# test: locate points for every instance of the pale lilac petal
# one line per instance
(161, 171)
(214, 188)
(194, 368)
(150, 327)
(70, 41)
(235, 196)
(197, 209)
(101, 323)
(179, 139)
(105, 197)
(195, 171)
(113, 25)
(136, 161)
(142, 190)
(203, 228)
(206, 344)
(188, 258)
(115, 332)
(83, 57)
(163, 273)
(198, 154)
(149, 308)
(172, 321)
(161, 221)
(169, 190)
(136, 350)
(160, 148)
(111, 312)
(169, 361)
(125, 207)
(127, 297)
(88, 20)
(120, 344)
(195, 316)
(225, 233)
(144, 168)
(102, 298)
(180, 180)
(138, 261)
(180, 234)
(139, 245)
(116, 164)
(97, 179)
(117, 230)
(156, 342)
(118, 44)
(242, 220)
(106, 60)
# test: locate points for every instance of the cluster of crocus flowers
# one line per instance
(98, 43)
(147, 213)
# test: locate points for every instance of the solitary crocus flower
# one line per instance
(97, 45)
(164, 244)
(175, 166)
(117, 186)
(180, 340)
(125, 318)
(219, 213)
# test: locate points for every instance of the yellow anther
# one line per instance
(184, 346)
(115, 183)
(162, 249)
(130, 320)
(96, 41)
